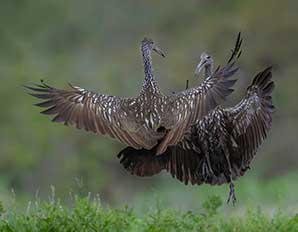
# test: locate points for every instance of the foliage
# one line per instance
(88, 214)
(94, 44)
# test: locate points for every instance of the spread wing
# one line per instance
(205, 97)
(240, 130)
(99, 113)
(252, 118)
(199, 101)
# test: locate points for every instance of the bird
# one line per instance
(151, 119)
(217, 149)
(206, 61)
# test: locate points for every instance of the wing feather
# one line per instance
(252, 117)
(86, 110)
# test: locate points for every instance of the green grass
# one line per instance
(251, 191)
(88, 214)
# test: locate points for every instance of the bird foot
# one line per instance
(232, 195)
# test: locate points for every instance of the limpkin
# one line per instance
(206, 60)
(230, 137)
(150, 120)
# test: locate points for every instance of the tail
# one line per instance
(141, 162)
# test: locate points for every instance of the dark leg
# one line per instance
(232, 195)
(205, 172)
(209, 164)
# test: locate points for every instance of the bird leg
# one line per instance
(207, 156)
(209, 163)
(207, 171)
(232, 195)
(204, 171)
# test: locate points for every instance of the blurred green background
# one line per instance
(95, 44)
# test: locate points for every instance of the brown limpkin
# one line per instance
(219, 148)
(150, 120)
(206, 60)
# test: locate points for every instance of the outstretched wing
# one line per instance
(240, 129)
(251, 119)
(205, 97)
(87, 110)
(199, 101)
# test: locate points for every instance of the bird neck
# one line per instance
(208, 70)
(149, 81)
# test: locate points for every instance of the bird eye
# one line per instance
(208, 57)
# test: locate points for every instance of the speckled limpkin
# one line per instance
(206, 60)
(151, 121)
(220, 147)
(217, 149)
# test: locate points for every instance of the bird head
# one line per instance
(149, 44)
(205, 61)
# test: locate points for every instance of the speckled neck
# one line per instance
(149, 81)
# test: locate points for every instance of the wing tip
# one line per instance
(262, 78)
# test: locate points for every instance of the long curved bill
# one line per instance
(199, 67)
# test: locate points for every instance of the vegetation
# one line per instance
(94, 44)
(89, 215)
